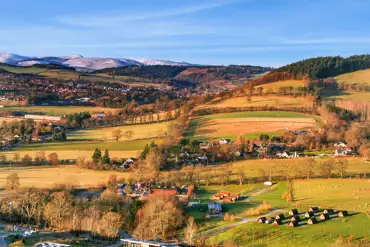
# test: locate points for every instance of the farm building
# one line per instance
(262, 220)
(308, 214)
(343, 214)
(324, 217)
(293, 224)
(280, 217)
(328, 211)
(163, 192)
(293, 212)
(42, 117)
(313, 209)
(214, 208)
(130, 242)
(312, 221)
(278, 222)
(217, 197)
(295, 218)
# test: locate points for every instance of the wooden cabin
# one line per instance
(343, 214)
(295, 218)
(293, 212)
(308, 214)
(324, 217)
(262, 220)
(314, 209)
(278, 222)
(293, 224)
(328, 211)
(280, 217)
(312, 221)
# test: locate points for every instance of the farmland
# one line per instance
(82, 143)
(250, 124)
(361, 76)
(274, 86)
(49, 177)
(59, 110)
(256, 101)
(347, 95)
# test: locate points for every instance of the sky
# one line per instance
(222, 32)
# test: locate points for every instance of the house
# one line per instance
(217, 197)
(223, 141)
(308, 214)
(295, 218)
(328, 211)
(214, 208)
(343, 214)
(130, 242)
(293, 212)
(313, 209)
(127, 163)
(99, 115)
(324, 217)
(312, 221)
(340, 145)
(262, 220)
(293, 224)
(280, 217)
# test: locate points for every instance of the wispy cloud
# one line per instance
(332, 40)
(103, 20)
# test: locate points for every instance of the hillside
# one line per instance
(361, 76)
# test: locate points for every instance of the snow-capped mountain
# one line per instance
(80, 62)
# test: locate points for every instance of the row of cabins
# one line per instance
(294, 218)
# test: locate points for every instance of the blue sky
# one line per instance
(261, 32)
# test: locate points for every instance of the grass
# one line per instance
(82, 143)
(60, 110)
(257, 101)
(345, 194)
(361, 76)
(355, 96)
(144, 131)
(49, 177)
(249, 124)
(274, 86)
(322, 234)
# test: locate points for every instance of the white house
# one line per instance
(268, 183)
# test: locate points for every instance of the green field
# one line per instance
(345, 194)
(249, 124)
(322, 234)
(60, 110)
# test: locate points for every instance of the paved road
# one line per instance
(3, 243)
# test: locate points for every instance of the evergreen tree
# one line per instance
(106, 159)
(97, 156)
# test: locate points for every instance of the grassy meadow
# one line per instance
(60, 110)
(360, 76)
(249, 124)
(257, 101)
(274, 86)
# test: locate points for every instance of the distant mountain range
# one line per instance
(80, 62)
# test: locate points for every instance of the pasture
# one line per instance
(249, 124)
(273, 87)
(345, 194)
(60, 110)
(347, 95)
(360, 76)
(259, 101)
(49, 177)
